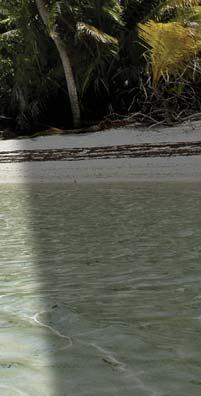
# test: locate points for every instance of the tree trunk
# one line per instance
(63, 53)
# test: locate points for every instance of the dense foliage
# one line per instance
(73, 62)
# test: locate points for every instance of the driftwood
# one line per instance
(137, 119)
(192, 117)
(101, 126)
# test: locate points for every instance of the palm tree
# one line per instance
(86, 21)
(45, 14)
(95, 23)
(80, 30)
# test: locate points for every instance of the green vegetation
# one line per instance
(71, 63)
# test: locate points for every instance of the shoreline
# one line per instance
(121, 155)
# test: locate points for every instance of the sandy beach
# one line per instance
(173, 168)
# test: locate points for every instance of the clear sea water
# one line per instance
(100, 290)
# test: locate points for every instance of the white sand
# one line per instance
(112, 170)
(127, 169)
(129, 135)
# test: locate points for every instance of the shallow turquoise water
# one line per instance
(100, 290)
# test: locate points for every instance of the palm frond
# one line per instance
(171, 46)
(98, 35)
(175, 10)
(177, 4)
(114, 12)
(193, 15)
(10, 34)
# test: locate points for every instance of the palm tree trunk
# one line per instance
(63, 53)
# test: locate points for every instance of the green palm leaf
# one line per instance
(98, 35)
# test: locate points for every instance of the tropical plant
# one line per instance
(130, 70)
(88, 58)
(99, 32)
(49, 14)
(70, 25)
(171, 43)
(25, 48)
